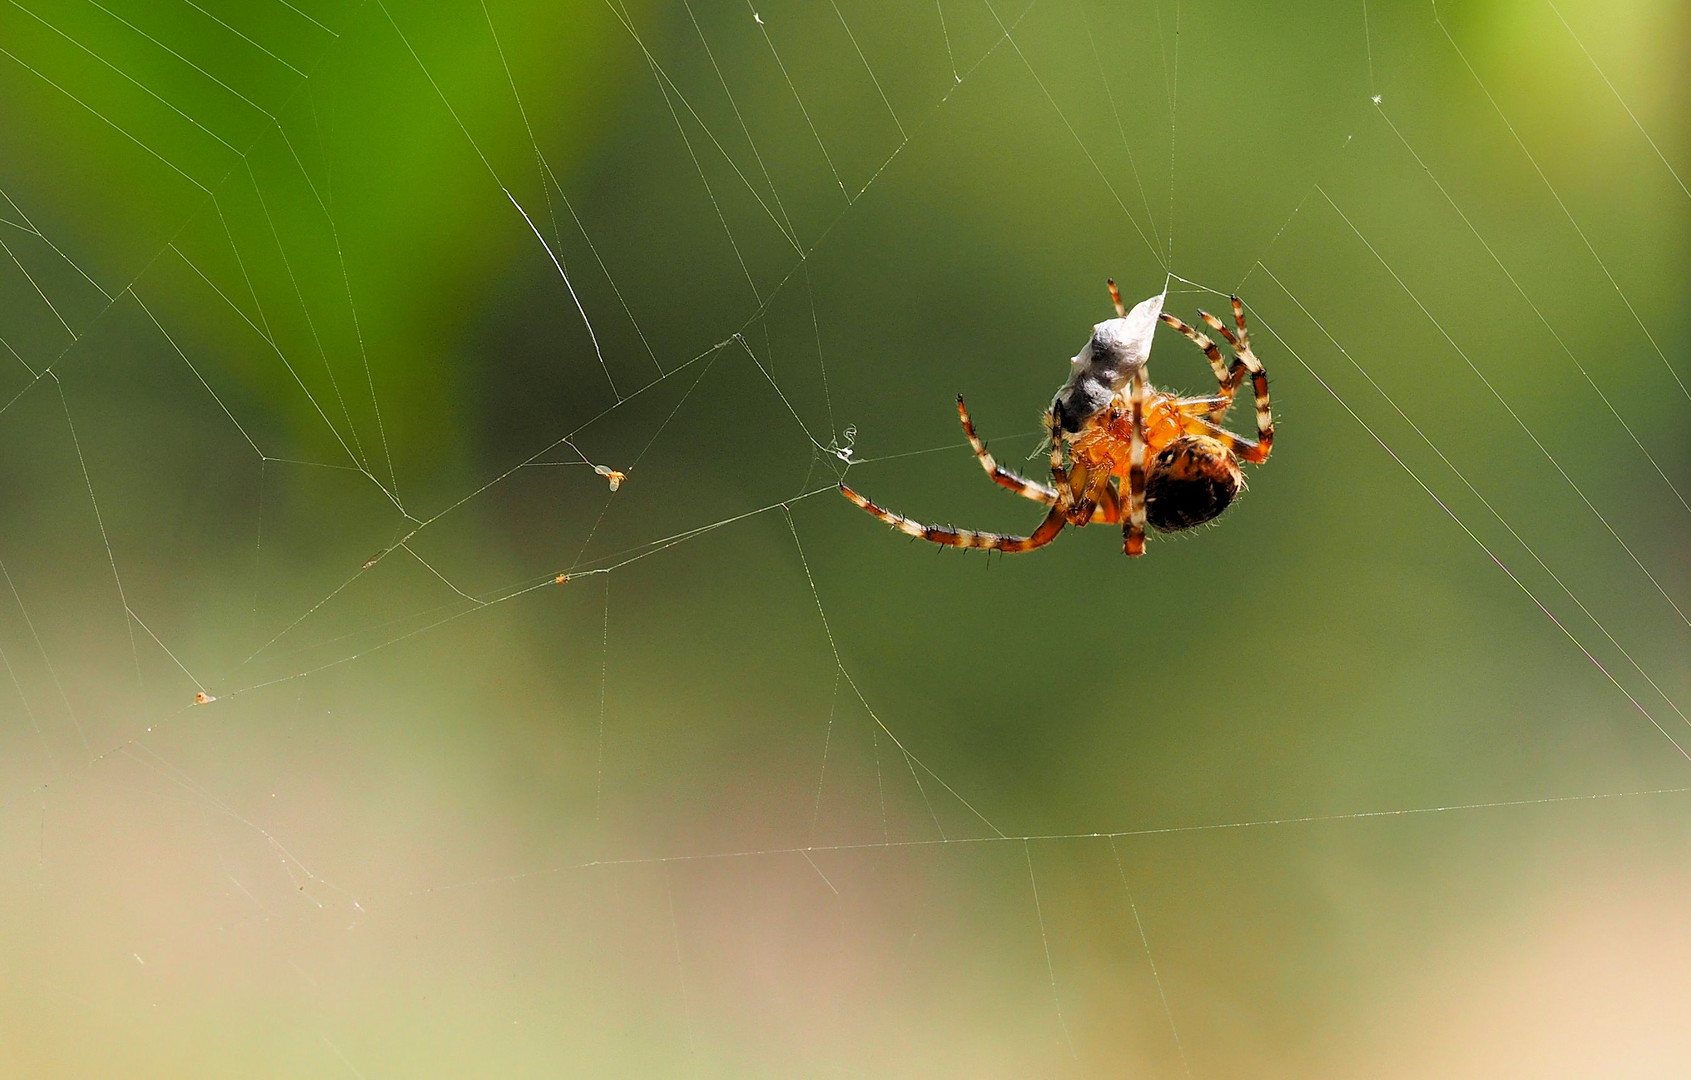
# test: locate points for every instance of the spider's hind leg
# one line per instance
(963, 538)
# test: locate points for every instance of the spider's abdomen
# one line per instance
(1190, 482)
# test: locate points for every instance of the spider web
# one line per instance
(435, 649)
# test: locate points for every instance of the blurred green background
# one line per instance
(1381, 776)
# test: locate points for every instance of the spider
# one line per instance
(1166, 457)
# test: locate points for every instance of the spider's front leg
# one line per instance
(1211, 353)
(1230, 378)
(1227, 380)
(1246, 361)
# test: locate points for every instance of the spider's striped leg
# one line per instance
(1243, 448)
(963, 538)
(1091, 492)
(1133, 532)
(1222, 401)
(1247, 361)
(1202, 406)
(1003, 477)
(1107, 506)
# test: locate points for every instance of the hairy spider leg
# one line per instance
(963, 538)
(1067, 502)
(1133, 532)
(1100, 496)
(1231, 376)
(1244, 449)
(1246, 361)
(1223, 401)
(1022, 486)
(1108, 505)
(1115, 297)
(1202, 406)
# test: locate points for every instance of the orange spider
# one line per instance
(1179, 467)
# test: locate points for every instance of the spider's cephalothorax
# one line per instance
(1115, 439)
